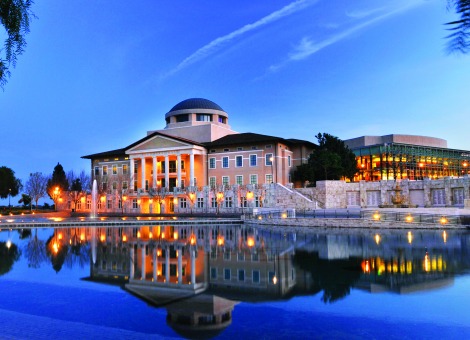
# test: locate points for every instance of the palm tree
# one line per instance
(460, 29)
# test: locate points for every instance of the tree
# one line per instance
(75, 185)
(25, 199)
(36, 186)
(458, 39)
(9, 184)
(15, 17)
(330, 160)
(57, 180)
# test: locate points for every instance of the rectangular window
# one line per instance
(213, 202)
(97, 171)
(241, 275)
(213, 273)
(110, 204)
(114, 169)
(269, 179)
(228, 202)
(212, 163)
(271, 277)
(241, 257)
(288, 161)
(146, 185)
(203, 118)
(125, 169)
(200, 202)
(134, 203)
(225, 180)
(224, 162)
(172, 166)
(239, 161)
(253, 179)
(227, 273)
(240, 148)
(119, 204)
(183, 203)
(253, 159)
(105, 170)
(227, 255)
(255, 276)
(124, 185)
(269, 146)
(243, 202)
(105, 186)
(135, 185)
(239, 179)
(114, 185)
(136, 167)
(269, 159)
(88, 204)
(212, 182)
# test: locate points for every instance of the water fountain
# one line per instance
(94, 196)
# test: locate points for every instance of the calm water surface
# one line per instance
(233, 282)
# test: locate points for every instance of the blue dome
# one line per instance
(196, 103)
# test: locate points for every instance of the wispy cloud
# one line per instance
(218, 43)
(363, 13)
(307, 46)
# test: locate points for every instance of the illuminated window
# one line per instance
(114, 169)
(212, 163)
(125, 169)
(124, 185)
(105, 170)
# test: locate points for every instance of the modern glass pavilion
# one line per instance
(389, 158)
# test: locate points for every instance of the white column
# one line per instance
(191, 169)
(142, 276)
(167, 171)
(193, 266)
(131, 273)
(154, 177)
(155, 265)
(131, 174)
(178, 170)
(180, 266)
(143, 173)
(167, 264)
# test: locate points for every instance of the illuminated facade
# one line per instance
(196, 152)
(394, 157)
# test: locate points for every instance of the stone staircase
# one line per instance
(282, 197)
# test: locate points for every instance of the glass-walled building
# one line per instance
(394, 157)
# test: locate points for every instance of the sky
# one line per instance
(97, 75)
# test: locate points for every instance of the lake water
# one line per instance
(233, 281)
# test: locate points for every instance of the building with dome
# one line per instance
(197, 162)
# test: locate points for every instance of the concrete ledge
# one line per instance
(349, 223)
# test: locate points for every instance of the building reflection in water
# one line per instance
(200, 272)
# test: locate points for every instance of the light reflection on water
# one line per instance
(235, 280)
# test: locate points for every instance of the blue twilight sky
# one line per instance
(96, 75)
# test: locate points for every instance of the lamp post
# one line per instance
(9, 195)
(271, 159)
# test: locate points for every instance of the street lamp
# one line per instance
(271, 159)
(9, 195)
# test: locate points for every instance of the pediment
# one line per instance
(159, 142)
